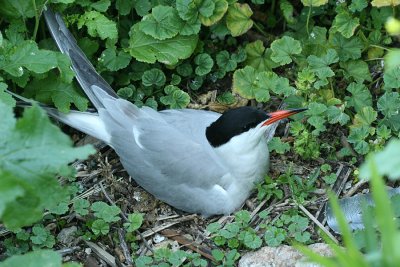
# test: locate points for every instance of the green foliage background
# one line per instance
(334, 57)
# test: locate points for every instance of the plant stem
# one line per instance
(35, 30)
(258, 28)
(381, 47)
(308, 20)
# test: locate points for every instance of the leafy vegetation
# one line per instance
(334, 57)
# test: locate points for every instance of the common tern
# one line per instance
(195, 160)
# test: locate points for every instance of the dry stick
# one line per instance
(326, 231)
(124, 216)
(104, 255)
(124, 246)
(205, 252)
(163, 226)
(355, 188)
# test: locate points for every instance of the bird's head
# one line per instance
(241, 120)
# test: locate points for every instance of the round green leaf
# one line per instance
(175, 97)
(284, 48)
(204, 64)
(221, 6)
(163, 23)
(238, 19)
(251, 84)
(314, 2)
(153, 77)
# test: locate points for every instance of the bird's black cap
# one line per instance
(234, 122)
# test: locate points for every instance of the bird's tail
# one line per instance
(87, 122)
(85, 73)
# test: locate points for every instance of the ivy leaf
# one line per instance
(392, 78)
(114, 62)
(320, 65)
(251, 84)
(357, 69)
(148, 49)
(61, 94)
(314, 3)
(389, 104)
(98, 25)
(221, 6)
(347, 48)
(365, 117)
(204, 64)
(357, 138)
(358, 5)
(336, 115)
(238, 19)
(278, 146)
(153, 77)
(345, 24)
(175, 97)
(106, 212)
(163, 23)
(360, 98)
(27, 55)
(30, 154)
(283, 49)
(258, 57)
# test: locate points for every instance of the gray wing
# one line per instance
(86, 74)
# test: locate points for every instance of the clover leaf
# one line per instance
(283, 49)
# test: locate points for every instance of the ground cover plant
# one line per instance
(338, 58)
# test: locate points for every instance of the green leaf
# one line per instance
(135, 220)
(278, 146)
(42, 237)
(27, 55)
(114, 62)
(357, 69)
(142, 7)
(387, 161)
(98, 25)
(124, 7)
(347, 48)
(100, 227)
(357, 138)
(365, 117)
(148, 49)
(345, 24)
(108, 213)
(314, 3)
(163, 23)
(175, 97)
(287, 10)
(382, 3)
(320, 65)
(30, 152)
(206, 8)
(61, 94)
(101, 5)
(336, 115)
(358, 5)
(153, 77)
(392, 78)
(6, 98)
(389, 103)
(38, 258)
(81, 206)
(283, 49)
(225, 62)
(251, 84)
(16, 9)
(258, 57)
(360, 98)
(204, 64)
(238, 19)
(226, 98)
(221, 6)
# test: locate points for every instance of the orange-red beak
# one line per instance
(281, 114)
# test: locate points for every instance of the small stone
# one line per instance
(158, 238)
(88, 251)
(67, 235)
(282, 256)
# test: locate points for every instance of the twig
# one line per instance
(104, 255)
(355, 188)
(166, 225)
(323, 228)
(124, 247)
(205, 252)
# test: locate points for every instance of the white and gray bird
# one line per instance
(197, 161)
